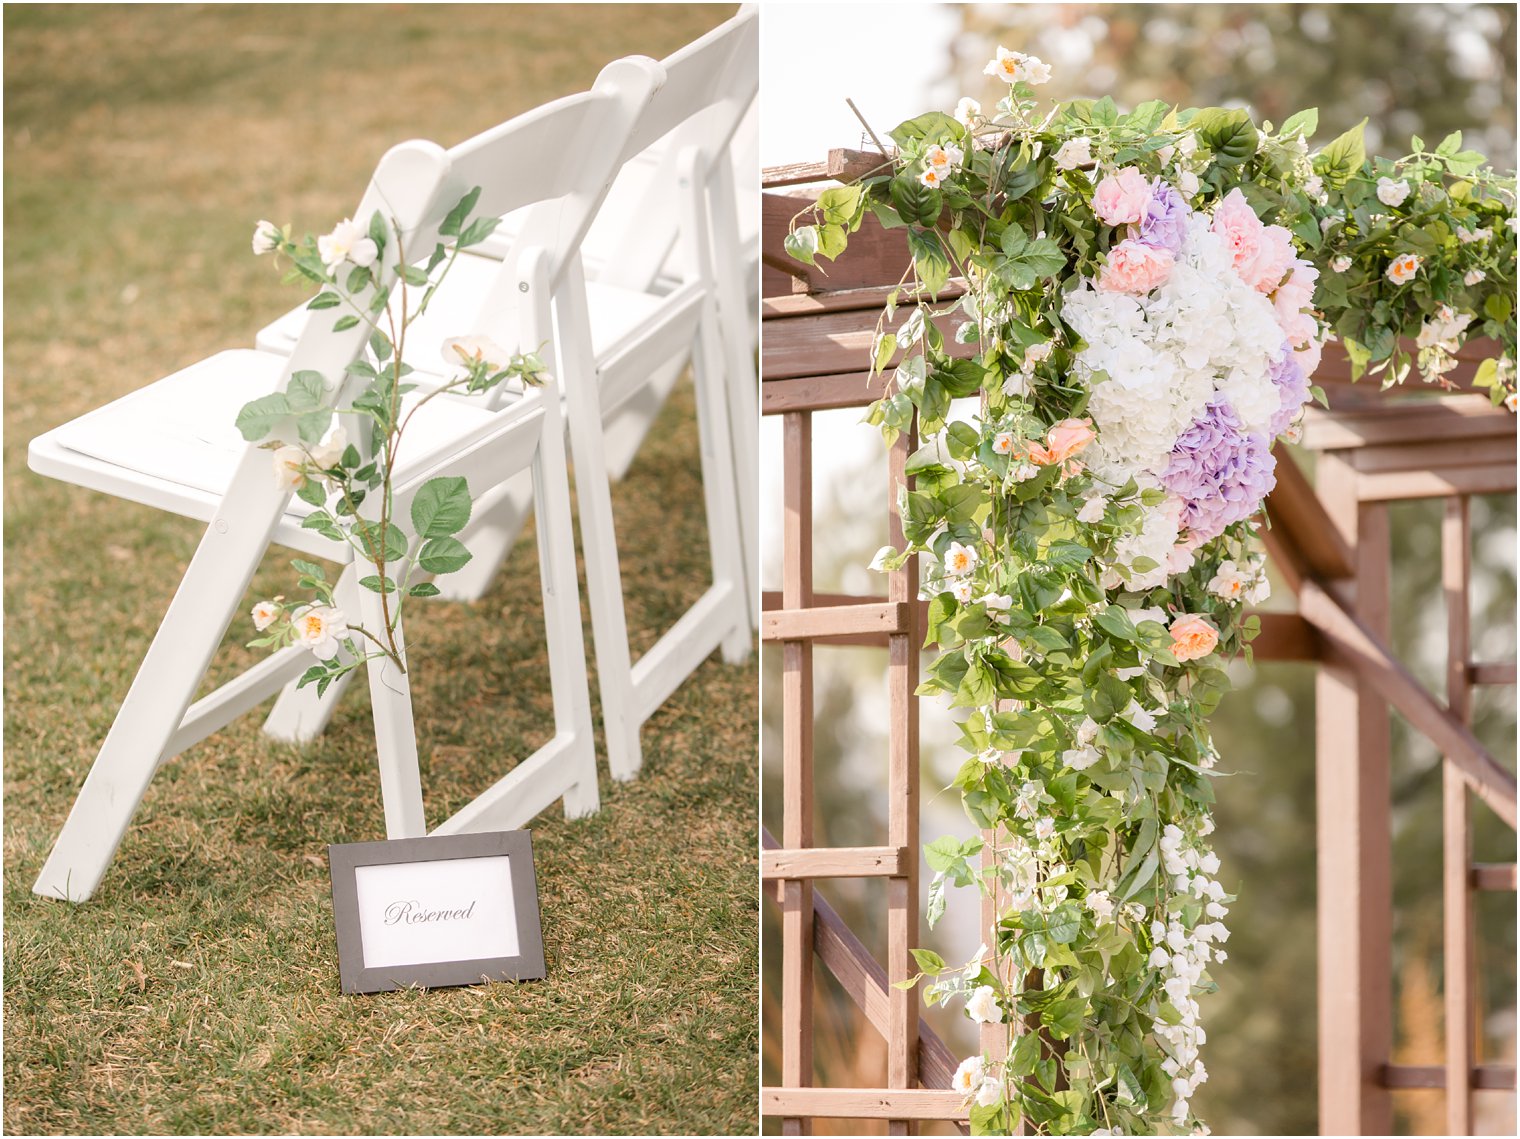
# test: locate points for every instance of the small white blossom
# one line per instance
(1187, 182)
(1074, 153)
(1002, 443)
(1101, 905)
(346, 242)
(982, 1006)
(1474, 277)
(967, 111)
(264, 614)
(1392, 191)
(289, 467)
(1468, 236)
(319, 628)
(960, 560)
(1341, 263)
(1044, 827)
(266, 238)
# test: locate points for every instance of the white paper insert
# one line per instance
(451, 909)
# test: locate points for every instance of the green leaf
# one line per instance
(1064, 1017)
(441, 507)
(443, 555)
(1343, 157)
(1229, 133)
(915, 202)
(929, 259)
(1450, 144)
(1303, 123)
(931, 128)
(375, 585)
(414, 276)
(313, 425)
(308, 569)
(479, 230)
(886, 348)
(306, 390)
(344, 323)
(841, 204)
(455, 219)
(802, 244)
(260, 416)
(929, 961)
(325, 300)
(311, 491)
(424, 589)
(314, 673)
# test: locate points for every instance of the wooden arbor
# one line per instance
(1329, 540)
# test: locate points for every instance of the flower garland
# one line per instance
(357, 268)
(1146, 298)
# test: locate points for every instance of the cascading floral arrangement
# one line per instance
(1143, 299)
(357, 270)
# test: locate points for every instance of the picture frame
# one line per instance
(436, 912)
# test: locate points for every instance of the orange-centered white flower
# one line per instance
(264, 614)
(319, 628)
(959, 560)
(1002, 443)
(932, 178)
(1402, 269)
(942, 158)
(289, 467)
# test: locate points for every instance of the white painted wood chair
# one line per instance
(660, 294)
(173, 445)
(635, 253)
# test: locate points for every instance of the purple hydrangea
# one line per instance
(1220, 472)
(1165, 221)
(1293, 383)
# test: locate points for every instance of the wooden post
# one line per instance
(797, 764)
(1355, 895)
(902, 798)
(1456, 855)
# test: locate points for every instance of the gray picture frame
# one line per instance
(345, 858)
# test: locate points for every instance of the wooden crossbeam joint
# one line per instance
(883, 619)
(1496, 876)
(1490, 1077)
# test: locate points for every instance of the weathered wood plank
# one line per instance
(829, 343)
(863, 1103)
(834, 621)
(1493, 1077)
(1458, 993)
(833, 862)
(1496, 876)
(1406, 421)
(1490, 478)
(821, 393)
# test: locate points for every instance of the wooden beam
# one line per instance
(834, 621)
(842, 165)
(1398, 486)
(1353, 821)
(1492, 672)
(832, 343)
(821, 393)
(1349, 639)
(1397, 422)
(833, 862)
(797, 762)
(1458, 993)
(871, 300)
(1490, 1077)
(863, 1103)
(861, 976)
(1298, 517)
(1496, 876)
(1438, 456)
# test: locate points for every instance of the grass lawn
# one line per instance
(198, 991)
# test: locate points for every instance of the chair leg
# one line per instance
(395, 731)
(630, 423)
(174, 666)
(604, 582)
(562, 612)
(737, 315)
(299, 715)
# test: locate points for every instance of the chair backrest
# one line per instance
(710, 85)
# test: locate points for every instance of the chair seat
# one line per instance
(616, 314)
(174, 444)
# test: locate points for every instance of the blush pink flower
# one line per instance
(1136, 268)
(1192, 637)
(1064, 440)
(1122, 198)
(1262, 254)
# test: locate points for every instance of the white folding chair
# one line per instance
(631, 258)
(660, 292)
(172, 445)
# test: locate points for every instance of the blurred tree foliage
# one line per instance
(1412, 69)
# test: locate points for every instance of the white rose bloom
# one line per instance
(1017, 385)
(990, 1092)
(1392, 191)
(968, 1077)
(1023, 472)
(319, 628)
(1038, 352)
(1093, 508)
(266, 238)
(1187, 182)
(961, 590)
(264, 614)
(289, 467)
(967, 111)
(1101, 905)
(998, 602)
(327, 454)
(982, 1006)
(1081, 758)
(1341, 264)
(346, 242)
(1229, 582)
(1074, 152)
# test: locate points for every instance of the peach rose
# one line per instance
(1121, 198)
(1192, 637)
(1135, 268)
(1064, 440)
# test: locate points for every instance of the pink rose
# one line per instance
(1192, 637)
(1308, 357)
(1121, 198)
(1274, 258)
(1135, 268)
(1262, 254)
